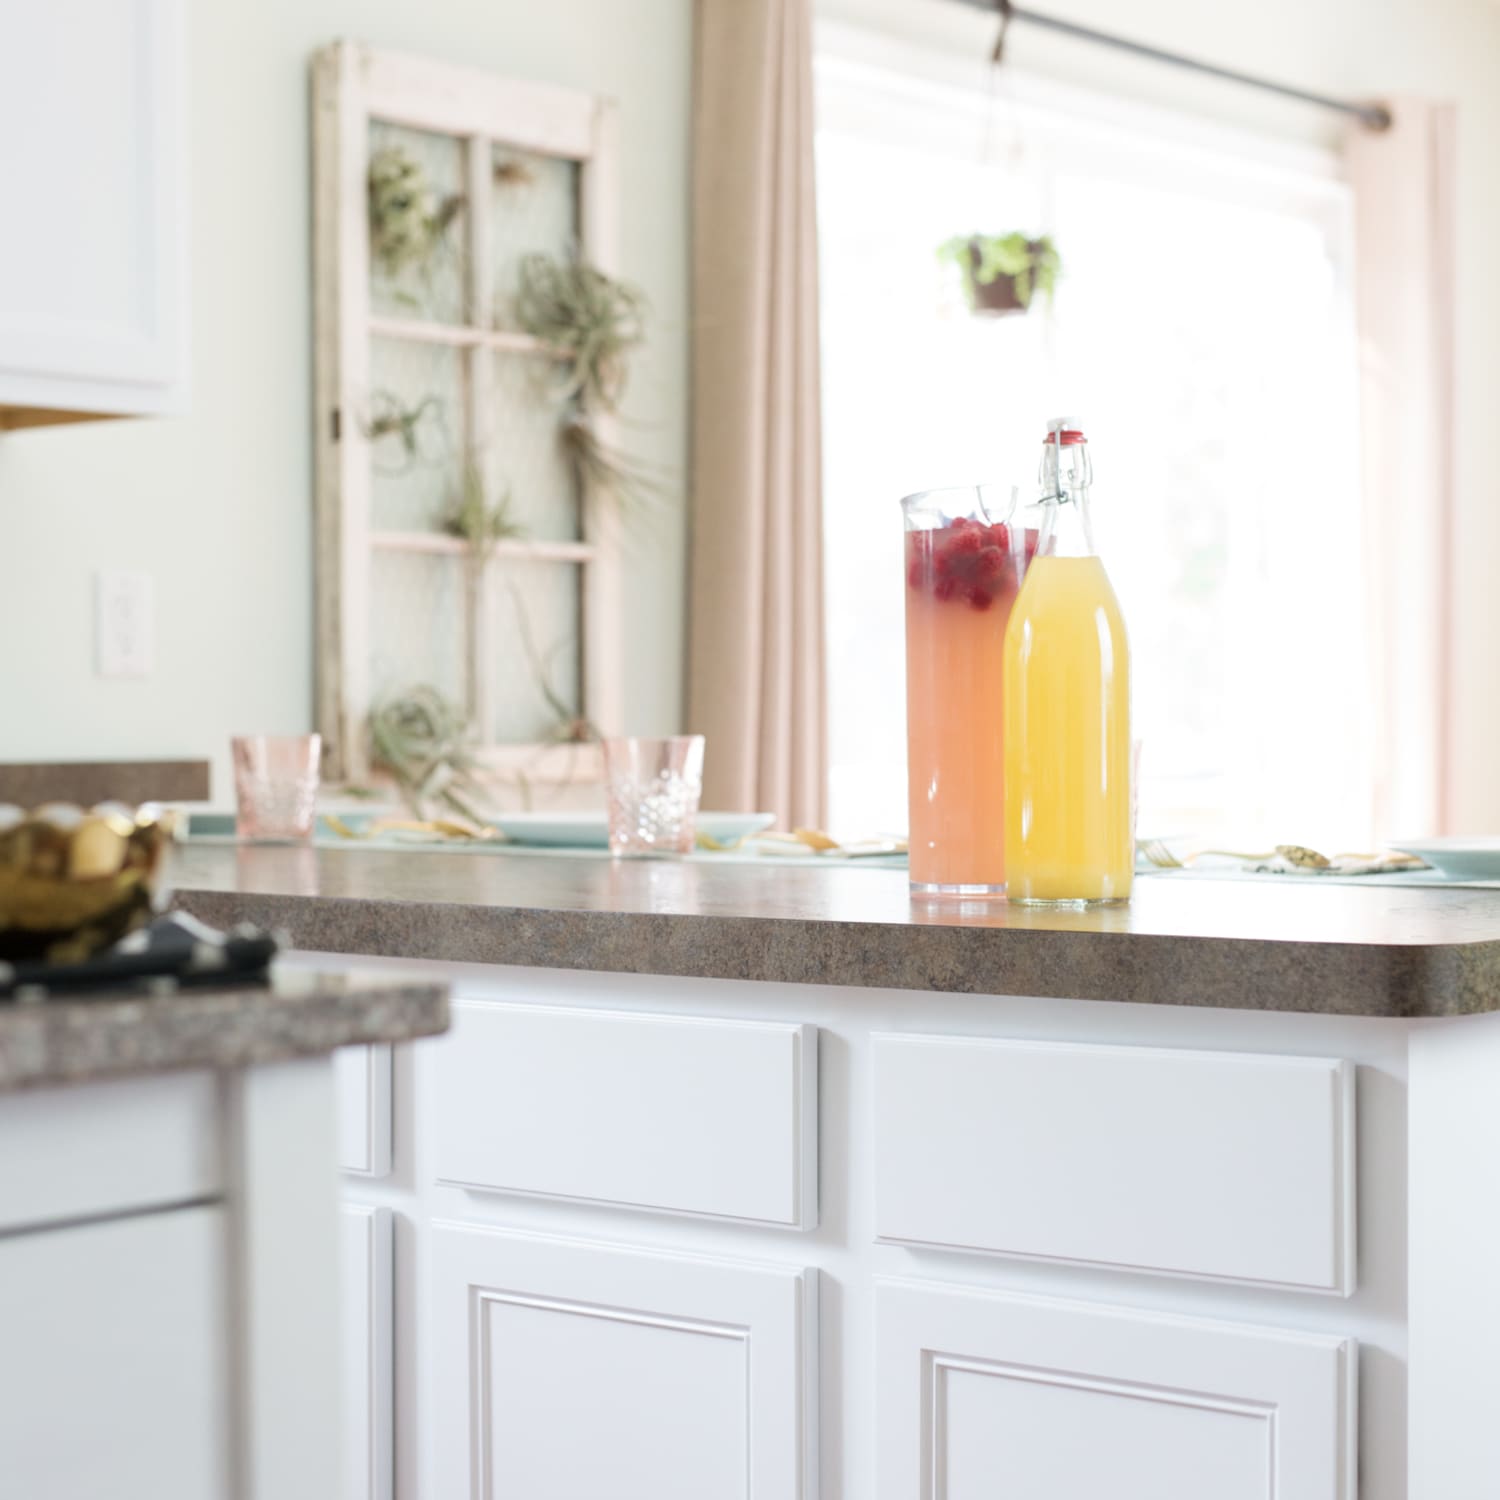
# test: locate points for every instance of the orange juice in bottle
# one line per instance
(1066, 673)
(964, 564)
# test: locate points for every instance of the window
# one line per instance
(461, 551)
(1202, 333)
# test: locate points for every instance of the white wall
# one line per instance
(1440, 48)
(217, 505)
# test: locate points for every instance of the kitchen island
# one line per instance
(757, 1180)
(174, 1260)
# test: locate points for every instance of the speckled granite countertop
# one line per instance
(1294, 946)
(233, 1026)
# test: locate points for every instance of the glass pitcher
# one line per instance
(965, 562)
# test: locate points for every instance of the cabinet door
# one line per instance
(92, 145)
(362, 1090)
(365, 1250)
(569, 1369)
(113, 1360)
(983, 1395)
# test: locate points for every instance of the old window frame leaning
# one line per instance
(353, 85)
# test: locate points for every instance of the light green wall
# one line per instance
(217, 505)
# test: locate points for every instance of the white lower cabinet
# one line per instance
(572, 1370)
(366, 1264)
(986, 1394)
(112, 1373)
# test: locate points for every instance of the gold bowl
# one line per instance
(73, 880)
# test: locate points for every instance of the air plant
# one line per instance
(603, 469)
(407, 217)
(426, 742)
(389, 418)
(475, 518)
(512, 172)
(571, 728)
(586, 318)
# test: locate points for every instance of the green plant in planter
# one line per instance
(1003, 272)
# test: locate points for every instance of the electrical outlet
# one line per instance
(124, 624)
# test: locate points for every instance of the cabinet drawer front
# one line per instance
(108, 1148)
(982, 1395)
(573, 1370)
(1216, 1164)
(687, 1115)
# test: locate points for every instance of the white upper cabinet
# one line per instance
(93, 262)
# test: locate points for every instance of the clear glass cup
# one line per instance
(651, 789)
(276, 786)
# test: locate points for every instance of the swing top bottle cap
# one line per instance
(1067, 428)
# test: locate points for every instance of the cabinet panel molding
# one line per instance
(569, 1368)
(984, 1394)
(714, 1118)
(1226, 1165)
(366, 1250)
(362, 1081)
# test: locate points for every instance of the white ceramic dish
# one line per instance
(590, 830)
(1457, 858)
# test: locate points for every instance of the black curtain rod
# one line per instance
(1373, 116)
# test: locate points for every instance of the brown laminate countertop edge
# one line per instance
(302, 1014)
(1387, 979)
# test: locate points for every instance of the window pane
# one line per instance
(1202, 334)
(428, 282)
(524, 448)
(413, 418)
(416, 624)
(538, 664)
(533, 208)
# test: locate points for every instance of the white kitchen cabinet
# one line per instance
(112, 1372)
(366, 1245)
(93, 265)
(982, 1395)
(567, 1370)
(689, 1115)
(1001, 1145)
(362, 1084)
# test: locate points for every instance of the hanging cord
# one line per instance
(1006, 13)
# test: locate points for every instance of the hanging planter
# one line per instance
(1002, 273)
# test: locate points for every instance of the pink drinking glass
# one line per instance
(276, 786)
(651, 789)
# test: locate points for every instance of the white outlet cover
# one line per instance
(124, 624)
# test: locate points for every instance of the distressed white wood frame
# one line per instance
(352, 85)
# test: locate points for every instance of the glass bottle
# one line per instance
(1068, 833)
(964, 566)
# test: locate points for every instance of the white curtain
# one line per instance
(1403, 180)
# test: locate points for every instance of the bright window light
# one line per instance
(1202, 333)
